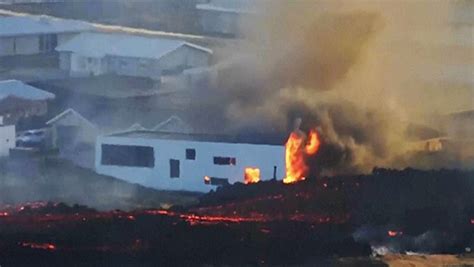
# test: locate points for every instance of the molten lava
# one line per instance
(297, 148)
(252, 175)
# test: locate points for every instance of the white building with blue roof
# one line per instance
(19, 100)
(32, 35)
(188, 161)
(130, 55)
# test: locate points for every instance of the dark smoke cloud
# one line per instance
(345, 67)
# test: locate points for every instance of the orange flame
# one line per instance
(297, 148)
(252, 175)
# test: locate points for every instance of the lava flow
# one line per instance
(297, 148)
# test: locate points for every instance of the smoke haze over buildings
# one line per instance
(360, 71)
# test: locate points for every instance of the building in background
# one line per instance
(7, 139)
(12, 2)
(92, 54)
(32, 35)
(225, 17)
(192, 162)
(74, 136)
(21, 101)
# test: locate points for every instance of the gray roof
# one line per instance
(260, 139)
(230, 6)
(126, 45)
(22, 90)
(69, 112)
(28, 25)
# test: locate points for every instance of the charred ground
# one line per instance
(264, 223)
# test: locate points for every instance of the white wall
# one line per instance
(65, 61)
(82, 66)
(220, 22)
(137, 67)
(19, 45)
(7, 139)
(87, 133)
(6, 46)
(27, 45)
(184, 56)
(192, 172)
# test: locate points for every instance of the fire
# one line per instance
(297, 148)
(252, 175)
(313, 143)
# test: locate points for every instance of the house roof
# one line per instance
(15, 88)
(69, 112)
(261, 139)
(28, 25)
(465, 114)
(126, 45)
(173, 124)
(230, 6)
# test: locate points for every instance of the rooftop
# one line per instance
(27, 25)
(230, 6)
(102, 44)
(262, 139)
(22, 90)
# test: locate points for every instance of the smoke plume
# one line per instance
(356, 70)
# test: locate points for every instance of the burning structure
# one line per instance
(193, 162)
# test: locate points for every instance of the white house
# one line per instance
(129, 55)
(19, 100)
(74, 136)
(180, 161)
(11, 2)
(225, 17)
(7, 139)
(30, 35)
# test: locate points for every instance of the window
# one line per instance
(48, 42)
(225, 161)
(191, 154)
(216, 181)
(174, 168)
(125, 155)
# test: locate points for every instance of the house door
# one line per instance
(66, 137)
(174, 168)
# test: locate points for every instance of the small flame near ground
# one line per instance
(252, 175)
(297, 149)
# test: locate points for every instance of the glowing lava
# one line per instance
(297, 148)
(252, 175)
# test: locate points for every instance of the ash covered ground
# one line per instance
(317, 221)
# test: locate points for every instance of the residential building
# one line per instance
(19, 100)
(74, 136)
(181, 161)
(225, 17)
(7, 139)
(92, 54)
(32, 35)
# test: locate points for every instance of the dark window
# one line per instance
(225, 161)
(216, 181)
(174, 168)
(191, 154)
(47, 42)
(133, 156)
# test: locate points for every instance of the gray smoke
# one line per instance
(350, 68)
